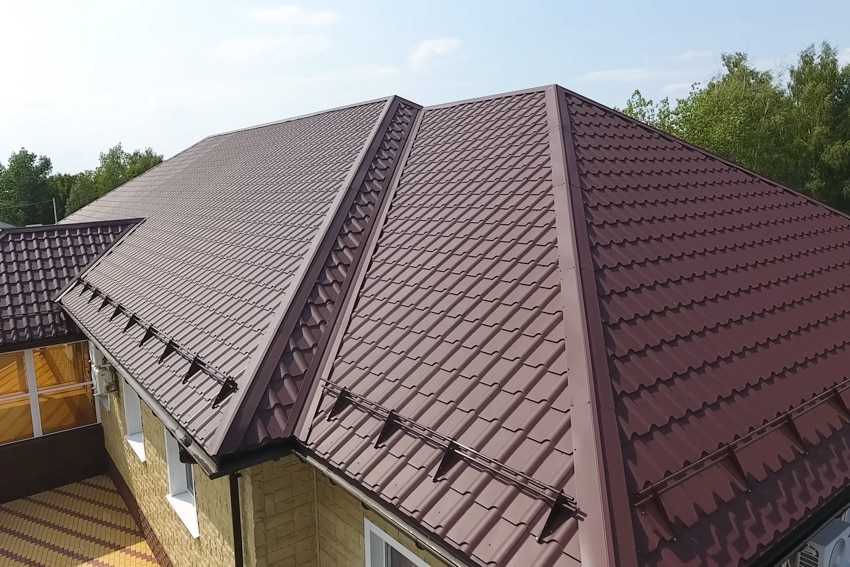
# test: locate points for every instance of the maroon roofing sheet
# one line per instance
(229, 224)
(35, 264)
(275, 393)
(458, 331)
(725, 306)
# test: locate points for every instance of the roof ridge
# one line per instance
(386, 100)
(489, 97)
(607, 536)
(240, 414)
(670, 137)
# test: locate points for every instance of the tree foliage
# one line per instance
(25, 190)
(794, 129)
(116, 168)
(28, 187)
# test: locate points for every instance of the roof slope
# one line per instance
(703, 311)
(725, 304)
(231, 225)
(459, 331)
(35, 264)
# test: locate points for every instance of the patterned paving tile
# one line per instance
(85, 523)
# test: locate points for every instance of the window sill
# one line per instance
(136, 441)
(184, 505)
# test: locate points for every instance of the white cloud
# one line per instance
(620, 75)
(691, 55)
(432, 49)
(844, 56)
(279, 47)
(294, 15)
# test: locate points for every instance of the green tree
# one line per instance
(797, 133)
(25, 191)
(116, 168)
(819, 145)
(741, 115)
(657, 114)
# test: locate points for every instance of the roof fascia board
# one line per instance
(204, 460)
(235, 420)
(368, 247)
(405, 525)
(486, 98)
(606, 535)
(705, 152)
(386, 99)
(40, 343)
(133, 224)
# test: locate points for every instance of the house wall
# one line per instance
(340, 530)
(148, 483)
(292, 514)
(278, 506)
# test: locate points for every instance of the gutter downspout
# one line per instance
(236, 519)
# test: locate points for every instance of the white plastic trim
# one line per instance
(179, 496)
(376, 542)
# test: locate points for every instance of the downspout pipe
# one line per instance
(236, 519)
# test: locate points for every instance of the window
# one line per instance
(181, 485)
(383, 551)
(133, 418)
(45, 390)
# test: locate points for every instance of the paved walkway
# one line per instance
(85, 523)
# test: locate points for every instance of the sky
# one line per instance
(79, 77)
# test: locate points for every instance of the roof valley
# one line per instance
(293, 355)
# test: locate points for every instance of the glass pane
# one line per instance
(66, 409)
(61, 364)
(190, 480)
(15, 420)
(396, 559)
(13, 374)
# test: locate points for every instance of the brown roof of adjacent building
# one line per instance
(540, 331)
(35, 264)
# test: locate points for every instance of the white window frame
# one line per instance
(377, 541)
(133, 420)
(181, 486)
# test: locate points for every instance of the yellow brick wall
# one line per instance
(148, 481)
(342, 540)
(278, 506)
(292, 514)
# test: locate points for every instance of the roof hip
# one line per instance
(607, 537)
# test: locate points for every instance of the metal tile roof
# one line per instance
(230, 226)
(703, 412)
(35, 264)
(459, 330)
(724, 303)
(544, 333)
